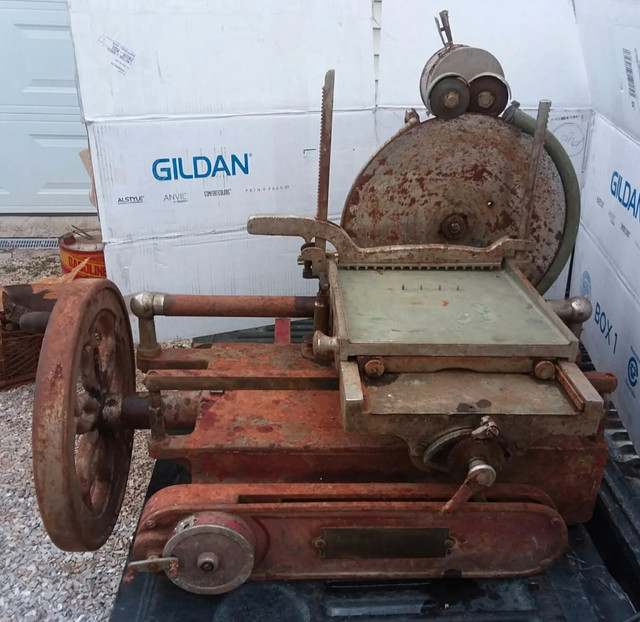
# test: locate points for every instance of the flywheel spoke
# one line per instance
(87, 455)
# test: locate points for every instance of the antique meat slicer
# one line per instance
(434, 423)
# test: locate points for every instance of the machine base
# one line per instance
(576, 588)
(371, 531)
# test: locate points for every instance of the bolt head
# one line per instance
(451, 99)
(453, 226)
(374, 368)
(208, 562)
(485, 99)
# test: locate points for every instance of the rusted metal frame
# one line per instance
(200, 380)
(251, 494)
(520, 431)
(282, 330)
(411, 255)
(293, 516)
(240, 359)
(545, 351)
(537, 149)
(413, 364)
(526, 286)
(251, 455)
(568, 468)
(604, 383)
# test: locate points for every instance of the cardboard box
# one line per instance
(203, 113)
(612, 335)
(611, 200)
(165, 59)
(610, 35)
(190, 176)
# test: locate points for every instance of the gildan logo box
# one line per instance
(611, 199)
(191, 176)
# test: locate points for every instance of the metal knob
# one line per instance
(481, 472)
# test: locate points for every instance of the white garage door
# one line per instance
(40, 127)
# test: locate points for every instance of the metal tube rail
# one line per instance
(147, 305)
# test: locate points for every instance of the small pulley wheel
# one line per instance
(488, 95)
(449, 98)
(81, 453)
(215, 550)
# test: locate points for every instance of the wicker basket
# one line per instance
(18, 356)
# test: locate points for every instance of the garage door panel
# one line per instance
(45, 174)
(36, 59)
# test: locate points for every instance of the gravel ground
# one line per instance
(41, 582)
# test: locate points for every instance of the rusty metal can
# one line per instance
(77, 246)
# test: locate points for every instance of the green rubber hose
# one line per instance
(527, 124)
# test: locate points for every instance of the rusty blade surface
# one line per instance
(324, 165)
(463, 178)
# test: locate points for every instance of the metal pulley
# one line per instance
(215, 552)
(459, 79)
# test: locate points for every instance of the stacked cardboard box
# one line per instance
(607, 257)
(201, 114)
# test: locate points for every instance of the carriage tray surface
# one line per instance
(577, 588)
